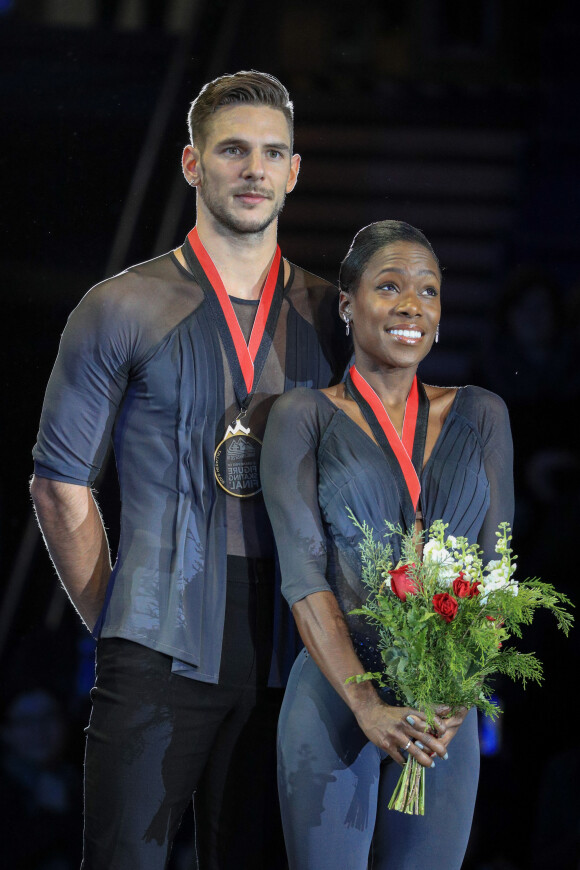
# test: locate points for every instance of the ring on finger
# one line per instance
(404, 749)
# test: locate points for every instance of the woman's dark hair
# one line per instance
(371, 239)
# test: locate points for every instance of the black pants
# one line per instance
(155, 738)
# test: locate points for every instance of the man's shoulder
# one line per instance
(304, 281)
(162, 274)
(313, 297)
(315, 300)
(146, 289)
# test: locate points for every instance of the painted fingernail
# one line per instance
(446, 756)
(419, 744)
(410, 720)
(432, 764)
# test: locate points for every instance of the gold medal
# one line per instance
(237, 462)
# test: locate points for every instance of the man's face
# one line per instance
(245, 168)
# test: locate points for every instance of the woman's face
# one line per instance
(396, 309)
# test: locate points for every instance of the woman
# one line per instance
(326, 451)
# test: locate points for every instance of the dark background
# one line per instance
(461, 118)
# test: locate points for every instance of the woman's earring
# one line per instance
(346, 318)
(437, 334)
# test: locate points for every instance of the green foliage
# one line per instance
(430, 661)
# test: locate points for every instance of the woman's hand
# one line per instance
(393, 729)
(400, 729)
(452, 723)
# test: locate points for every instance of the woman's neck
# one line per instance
(392, 385)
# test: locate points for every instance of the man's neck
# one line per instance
(242, 261)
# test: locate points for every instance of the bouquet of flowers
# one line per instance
(443, 622)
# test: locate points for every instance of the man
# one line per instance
(179, 360)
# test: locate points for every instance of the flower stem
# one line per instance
(409, 794)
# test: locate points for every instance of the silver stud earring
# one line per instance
(437, 335)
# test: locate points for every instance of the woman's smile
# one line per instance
(406, 335)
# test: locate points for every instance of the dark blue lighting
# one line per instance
(490, 733)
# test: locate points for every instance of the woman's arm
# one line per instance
(495, 431)
(325, 634)
(289, 474)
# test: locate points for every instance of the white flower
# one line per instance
(447, 574)
(451, 542)
(499, 568)
(433, 551)
(496, 578)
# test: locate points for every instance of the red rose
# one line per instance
(445, 605)
(402, 584)
(463, 588)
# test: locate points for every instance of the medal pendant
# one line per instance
(237, 462)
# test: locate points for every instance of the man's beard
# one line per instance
(232, 222)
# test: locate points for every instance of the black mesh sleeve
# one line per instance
(289, 481)
(494, 426)
(84, 392)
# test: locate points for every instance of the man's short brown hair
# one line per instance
(247, 86)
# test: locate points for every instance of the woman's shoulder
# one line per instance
(484, 410)
(481, 408)
(479, 397)
(301, 403)
(467, 396)
(301, 399)
(298, 417)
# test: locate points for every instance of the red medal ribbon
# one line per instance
(246, 352)
(401, 447)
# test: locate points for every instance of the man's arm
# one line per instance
(76, 540)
